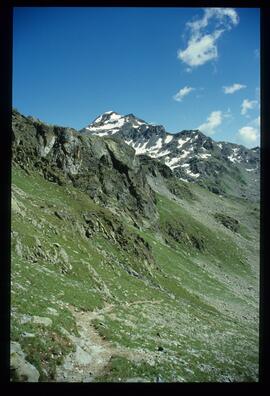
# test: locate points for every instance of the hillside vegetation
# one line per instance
(144, 280)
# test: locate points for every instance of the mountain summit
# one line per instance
(110, 122)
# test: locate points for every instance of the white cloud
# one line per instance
(224, 17)
(233, 88)
(200, 51)
(213, 121)
(182, 92)
(248, 105)
(248, 134)
(201, 46)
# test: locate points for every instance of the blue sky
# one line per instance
(168, 66)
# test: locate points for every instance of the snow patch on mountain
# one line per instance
(114, 117)
(184, 155)
(157, 146)
(98, 119)
(181, 142)
(171, 163)
(112, 122)
(203, 156)
(184, 165)
(192, 174)
(163, 153)
(234, 156)
(141, 149)
(168, 139)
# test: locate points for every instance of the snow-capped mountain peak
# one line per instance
(190, 154)
(111, 122)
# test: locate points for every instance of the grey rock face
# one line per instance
(42, 320)
(21, 369)
(106, 169)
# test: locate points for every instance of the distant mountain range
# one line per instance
(222, 167)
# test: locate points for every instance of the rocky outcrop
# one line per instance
(175, 231)
(21, 369)
(227, 221)
(113, 230)
(107, 169)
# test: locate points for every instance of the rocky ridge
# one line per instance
(65, 156)
(222, 167)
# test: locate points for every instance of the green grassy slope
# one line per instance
(175, 302)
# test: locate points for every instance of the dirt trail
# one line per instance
(93, 353)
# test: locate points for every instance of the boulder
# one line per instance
(42, 320)
(21, 369)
